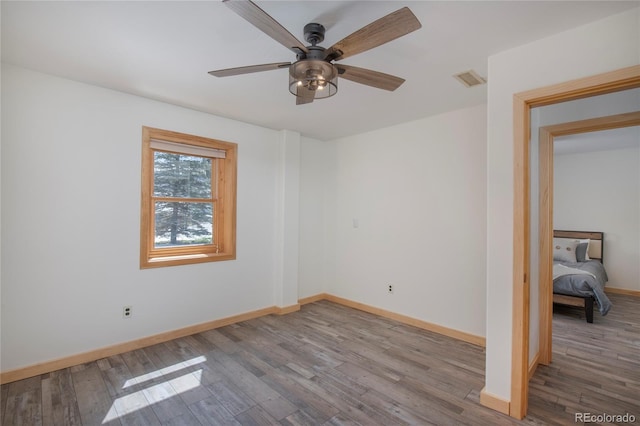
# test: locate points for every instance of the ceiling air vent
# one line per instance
(470, 78)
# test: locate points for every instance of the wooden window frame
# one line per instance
(224, 178)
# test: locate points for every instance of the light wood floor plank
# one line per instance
(256, 416)
(94, 402)
(59, 404)
(4, 392)
(24, 402)
(211, 412)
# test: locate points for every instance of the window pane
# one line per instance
(180, 224)
(179, 175)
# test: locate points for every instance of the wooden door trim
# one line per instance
(546, 140)
(622, 79)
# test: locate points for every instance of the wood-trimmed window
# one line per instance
(188, 212)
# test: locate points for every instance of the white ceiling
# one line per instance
(163, 50)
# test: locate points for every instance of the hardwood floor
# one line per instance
(595, 367)
(324, 365)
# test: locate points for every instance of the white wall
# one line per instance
(315, 172)
(586, 108)
(602, 46)
(409, 210)
(287, 219)
(601, 191)
(71, 218)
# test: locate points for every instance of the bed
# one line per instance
(579, 275)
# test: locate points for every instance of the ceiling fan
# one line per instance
(314, 75)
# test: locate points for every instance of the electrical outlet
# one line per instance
(390, 290)
(127, 311)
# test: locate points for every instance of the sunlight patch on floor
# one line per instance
(163, 371)
(158, 392)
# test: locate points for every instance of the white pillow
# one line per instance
(579, 241)
(564, 249)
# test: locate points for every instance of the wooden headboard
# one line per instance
(596, 247)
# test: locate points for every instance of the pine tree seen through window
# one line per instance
(184, 200)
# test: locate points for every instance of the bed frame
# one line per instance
(596, 252)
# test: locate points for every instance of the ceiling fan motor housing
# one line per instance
(314, 33)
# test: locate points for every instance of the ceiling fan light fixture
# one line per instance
(318, 77)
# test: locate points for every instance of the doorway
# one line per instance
(546, 141)
(626, 78)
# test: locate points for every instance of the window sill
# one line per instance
(187, 259)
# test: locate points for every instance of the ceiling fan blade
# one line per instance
(249, 69)
(265, 23)
(371, 78)
(385, 29)
(304, 95)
